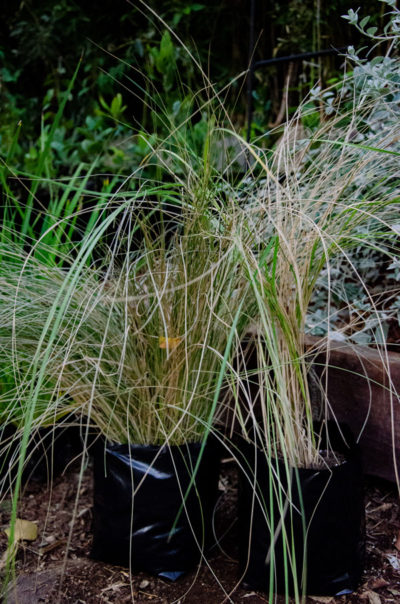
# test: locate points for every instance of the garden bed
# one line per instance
(40, 564)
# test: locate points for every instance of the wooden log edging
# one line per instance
(363, 388)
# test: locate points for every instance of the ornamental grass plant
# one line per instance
(321, 198)
(324, 196)
(133, 342)
(131, 326)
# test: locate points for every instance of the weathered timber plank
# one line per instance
(363, 387)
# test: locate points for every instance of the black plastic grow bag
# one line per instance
(48, 453)
(319, 531)
(139, 518)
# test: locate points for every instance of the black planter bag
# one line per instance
(333, 520)
(48, 453)
(153, 530)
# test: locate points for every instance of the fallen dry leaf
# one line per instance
(373, 597)
(24, 530)
(52, 546)
(114, 587)
(378, 583)
(394, 561)
(322, 599)
(253, 593)
(381, 508)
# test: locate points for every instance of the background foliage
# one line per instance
(119, 41)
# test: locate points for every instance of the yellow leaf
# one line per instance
(171, 343)
(24, 530)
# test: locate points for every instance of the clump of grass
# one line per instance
(321, 197)
(139, 340)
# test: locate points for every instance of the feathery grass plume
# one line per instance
(323, 195)
(136, 341)
(332, 197)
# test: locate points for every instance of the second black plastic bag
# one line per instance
(49, 452)
(302, 529)
(140, 518)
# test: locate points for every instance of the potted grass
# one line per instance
(176, 303)
(138, 347)
(36, 299)
(301, 505)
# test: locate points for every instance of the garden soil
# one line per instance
(56, 567)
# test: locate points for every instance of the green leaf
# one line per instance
(176, 108)
(57, 145)
(364, 22)
(103, 103)
(358, 146)
(91, 122)
(10, 76)
(116, 104)
(165, 56)
(117, 108)
(351, 17)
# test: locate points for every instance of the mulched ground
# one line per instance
(56, 567)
